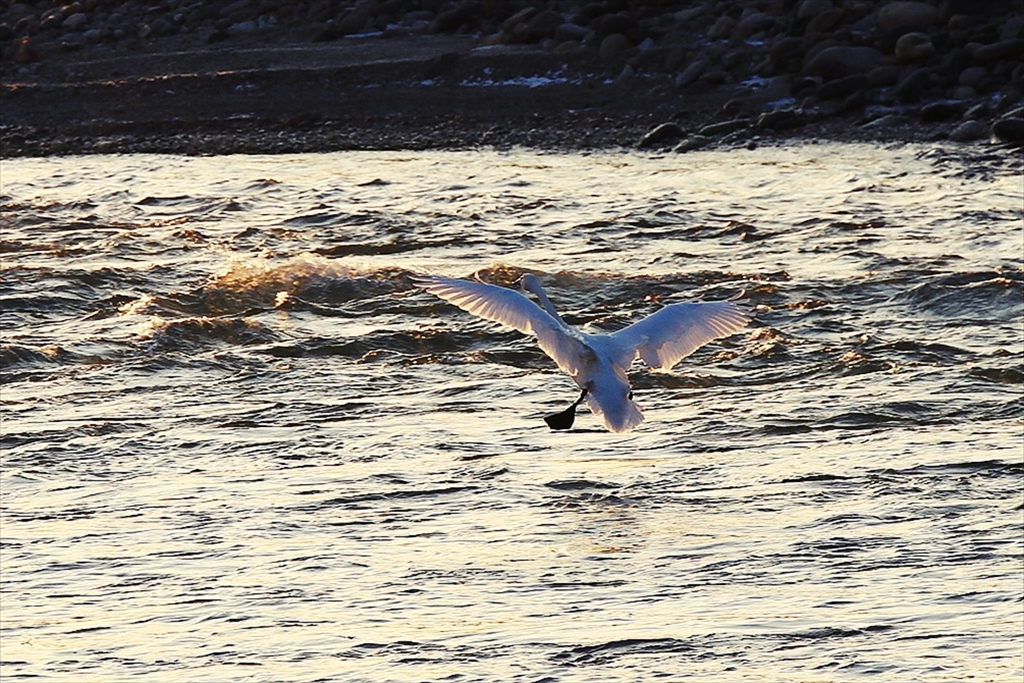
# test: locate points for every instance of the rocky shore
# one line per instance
(283, 76)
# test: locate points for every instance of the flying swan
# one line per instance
(596, 362)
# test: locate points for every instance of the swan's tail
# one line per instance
(619, 416)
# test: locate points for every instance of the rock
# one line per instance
(75, 22)
(355, 21)
(723, 128)
(691, 143)
(914, 47)
(523, 15)
(826, 22)
(1004, 49)
(231, 8)
(26, 52)
(626, 74)
(753, 22)
(659, 135)
(715, 77)
(691, 73)
(543, 26)
(842, 87)
(614, 48)
(978, 111)
(841, 60)
(811, 8)
(938, 111)
(914, 84)
(883, 76)
(616, 23)
(566, 32)
(887, 121)
(450, 21)
(1013, 28)
(1009, 129)
(968, 131)
(790, 48)
(721, 28)
(964, 92)
(781, 119)
(912, 16)
(972, 76)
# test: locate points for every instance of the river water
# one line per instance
(239, 445)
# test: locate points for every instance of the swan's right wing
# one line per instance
(509, 307)
(667, 336)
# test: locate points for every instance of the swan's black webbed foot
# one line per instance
(564, 419)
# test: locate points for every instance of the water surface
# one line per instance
(238, 445)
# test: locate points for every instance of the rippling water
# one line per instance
(238, 445)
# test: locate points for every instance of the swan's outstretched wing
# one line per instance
(667, 336)
(509, 307)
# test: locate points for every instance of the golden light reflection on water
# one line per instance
(206, 480)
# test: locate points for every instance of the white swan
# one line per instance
(596, 362)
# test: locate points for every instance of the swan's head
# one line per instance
(529, 283)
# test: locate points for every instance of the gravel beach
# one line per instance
(270, 76)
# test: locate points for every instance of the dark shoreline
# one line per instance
(281, 91)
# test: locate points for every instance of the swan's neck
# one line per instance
(545, 303)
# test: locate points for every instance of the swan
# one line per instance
(596, 362)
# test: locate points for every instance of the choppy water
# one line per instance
(237, 445)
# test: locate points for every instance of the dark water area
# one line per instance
(238, 444)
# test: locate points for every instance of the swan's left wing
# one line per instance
(509, 307)
(667, 336)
